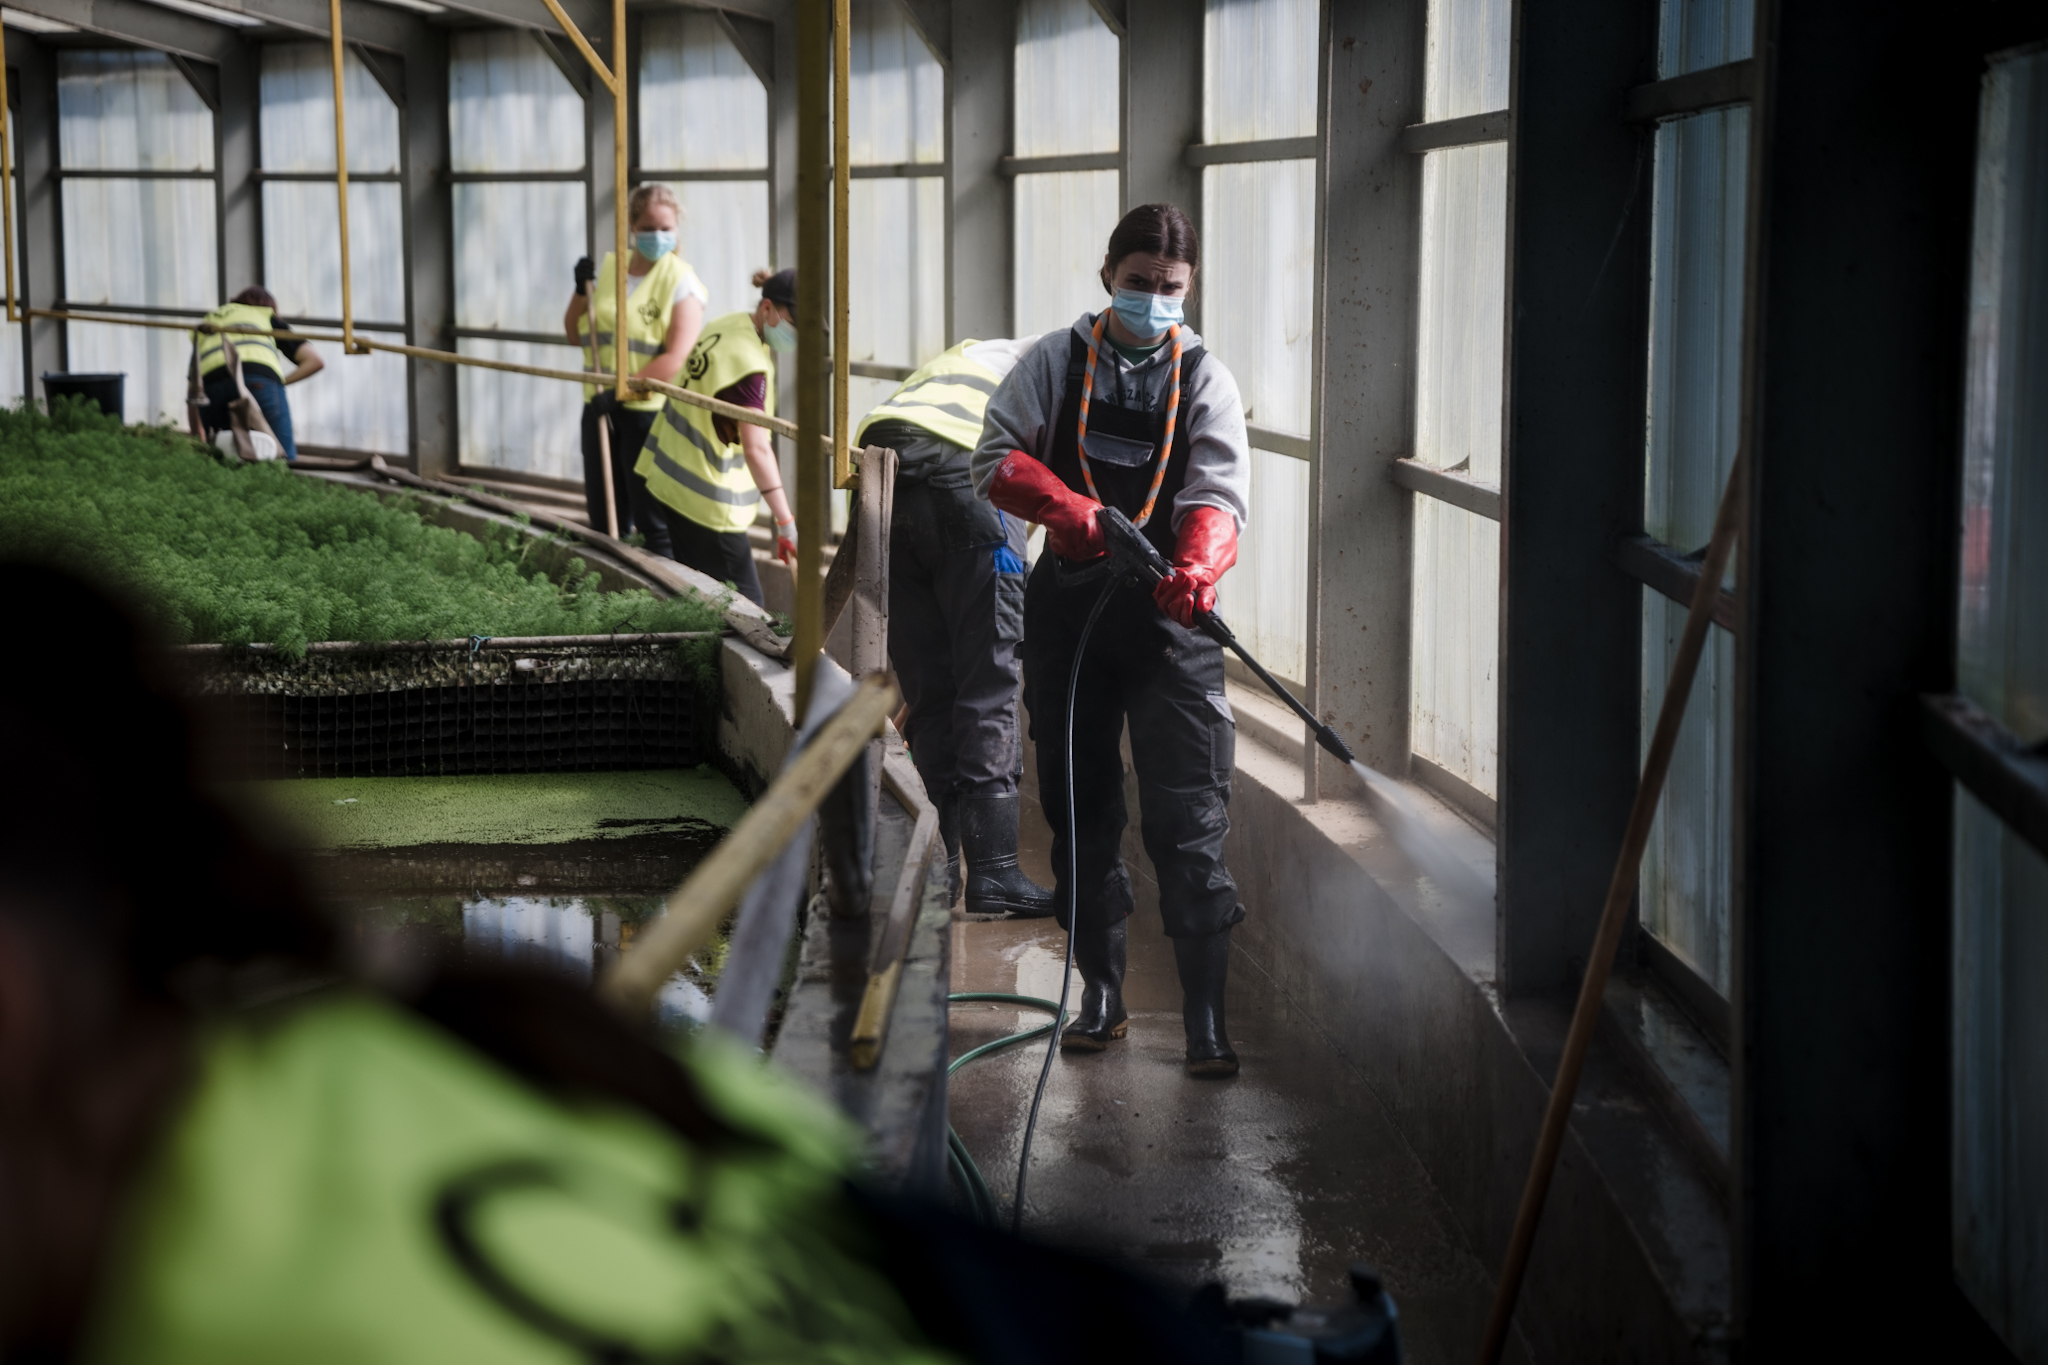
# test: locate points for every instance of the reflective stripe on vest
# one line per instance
(684, 462)
(260, 350)
(947, 396)
(648, 308)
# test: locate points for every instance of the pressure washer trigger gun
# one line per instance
(1137, 558)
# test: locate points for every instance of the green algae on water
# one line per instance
(518, 808)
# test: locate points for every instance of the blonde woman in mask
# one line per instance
(665, 306)
(706, 474)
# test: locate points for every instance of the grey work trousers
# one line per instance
(1166, 682)
(955, 620)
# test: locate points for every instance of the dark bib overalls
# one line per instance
(1140, 667)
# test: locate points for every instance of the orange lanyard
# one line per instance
(1172, 416)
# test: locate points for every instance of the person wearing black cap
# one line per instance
(707, 473)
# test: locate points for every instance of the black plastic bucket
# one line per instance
(104, 389)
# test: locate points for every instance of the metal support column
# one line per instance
(978, 228)
(241, 193)
(430, 264)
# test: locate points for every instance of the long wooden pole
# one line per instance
(813, 262)
(701, 904)
(842, 253)
(7, 188)
(1614, 914)
(604, 423)
(620, 348)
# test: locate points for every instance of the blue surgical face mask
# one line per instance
(1147, 315)
(654, 245)
(781, 336)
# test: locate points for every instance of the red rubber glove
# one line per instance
(1025, 488)
(1203, 553)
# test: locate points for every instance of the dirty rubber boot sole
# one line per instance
(1088, 1042)
(1212, 1068)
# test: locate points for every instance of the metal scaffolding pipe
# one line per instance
(813, 208)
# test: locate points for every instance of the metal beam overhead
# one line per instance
(755, 39)
(1693, 93)
(1660, 567)
(1010, 167)
(1468, 131)
(1459, 490)
(1267, 149)
(933, 22)
(143, 25)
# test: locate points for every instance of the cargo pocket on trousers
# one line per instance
(1009, 607)
(1222, 739)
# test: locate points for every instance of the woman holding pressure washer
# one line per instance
(664, 313)
(1126, 409)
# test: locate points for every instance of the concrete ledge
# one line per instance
(1632, 1259)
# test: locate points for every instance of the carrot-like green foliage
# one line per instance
(255, 553)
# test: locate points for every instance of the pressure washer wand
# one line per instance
(1132, 554)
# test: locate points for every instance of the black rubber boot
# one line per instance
(949, 834)
(1102, 1019)
(1204, 966)
(995, 884)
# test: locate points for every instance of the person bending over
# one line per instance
(268, 364)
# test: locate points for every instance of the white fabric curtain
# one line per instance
(1067, 75)
(703, 108)
(141, 242)
(1999, 1198)
(511, 110)
(1695, 403)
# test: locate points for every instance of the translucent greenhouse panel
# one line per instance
(513, 421)
(1068, 69)
(896, 97)
(1466, 69)
(515, 245)
(1259, 69)
(156, 363)
(1695, 404)
(124, 111)
(509, 106)
(148, 242)
(358, 402)
(302, 250)
(725, 238)
(1062, 222)
(1684, 882)
(1265, 597)
(1258, 302)
(1999, 1197)
(1460, 345)
(1455, 647)
(297, 130)
(1695, 34)
(701, 106)
(897, 235)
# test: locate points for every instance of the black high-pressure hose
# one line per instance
(1052, 1042)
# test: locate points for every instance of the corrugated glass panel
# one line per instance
(1258, 309)
(1259, 69)
(297, 118)
(302, 250)
(897, 273)
(515, 422)
(725, 239)
(895, 97)
(515, 243)
(1068, 72)
(1695, 34)
(1695, 405)
(509, 106)
(1999, 1199)
(1063, 221)
(701, 106)
(129, 110)
(1460, 338)
(154, 360)
(358, 402)
(1466, 69)
(141, 242)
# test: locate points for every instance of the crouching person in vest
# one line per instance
(956, 616)
(1127, 409)
(268, 363)
(706, 474)
(664, 316)
(217, 1144)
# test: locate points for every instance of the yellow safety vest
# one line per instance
(213, 352)
(649, 302)
(684, 462)
(947, 396)
(347, 1182)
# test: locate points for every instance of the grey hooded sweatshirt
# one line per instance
(1022, 413)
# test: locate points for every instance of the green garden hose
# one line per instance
(980, 1199)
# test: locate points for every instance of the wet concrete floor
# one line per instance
(1273, 1182)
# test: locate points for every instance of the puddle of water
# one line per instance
(578, 936)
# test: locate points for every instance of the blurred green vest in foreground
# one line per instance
(346, 1182)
